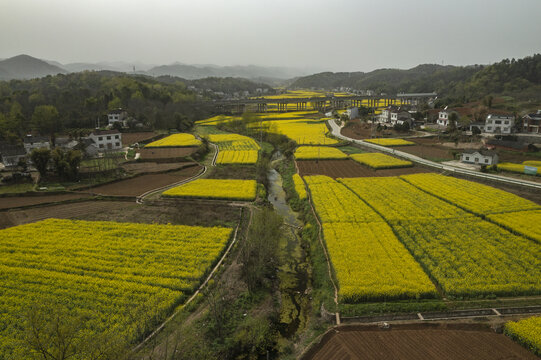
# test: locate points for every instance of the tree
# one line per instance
(40, 158)
(453, 118)
(66, 163)
(47, 121)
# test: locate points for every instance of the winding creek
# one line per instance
(293, 270)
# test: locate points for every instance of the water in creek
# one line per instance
(293, 271)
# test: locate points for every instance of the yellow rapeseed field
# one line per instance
(369, 261)
(235, 148)
(123, 277)
(465, 254)
(303, 131)
(527, 223)
(477, 198)
(318, 152)
(527, 332)
(215, 189)
(389, 142)
(300, 188)
(380, 161)
(176, 140)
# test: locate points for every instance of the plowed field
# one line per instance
(20, 201)
(141, 184)
(131, 138)
(421, 344)
(349, 168)
(148, 167)
(166, 153)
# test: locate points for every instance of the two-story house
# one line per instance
(499, 124)
(117, 115)
(532, 122)
(106, 140)
(479, 157)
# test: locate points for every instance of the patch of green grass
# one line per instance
(349, 149)
(16, 188)
(377, 308)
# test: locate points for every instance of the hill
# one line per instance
(422, 78)
(27, 67)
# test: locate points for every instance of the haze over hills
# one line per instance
(27, 67)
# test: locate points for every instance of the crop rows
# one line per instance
(389, 142)
(215, 189)
(235, 148)
(369, 261)
(465, 254)
(300, 188)
(380, 161)
(122, 274)
(319, 152)
(176, 140)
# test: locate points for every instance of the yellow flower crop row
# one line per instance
(397, 200)
(215, 189)
(527, 332)
(527, 223)
(389, 142)
(318, 152)
(235, 148)
(122, 274)
(534, 163)
(369, 261)
(477, 198)
(302, 131)
(300, 188)
(466, 255)
(512, 167)
(176, 140)
(237, 157)
(380, 161)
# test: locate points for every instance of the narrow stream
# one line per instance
(293, 271)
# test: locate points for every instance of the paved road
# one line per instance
(452, 169)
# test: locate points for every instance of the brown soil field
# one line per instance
(357, 130)
(132, 138)
(166, 153)
(151, 167)
(190, 212)
(141, 184)
(185, 213)
(350, 168)
(429, 152)
(20, 201)
(61, 211)
(419, 343)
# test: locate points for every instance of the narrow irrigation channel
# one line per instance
(293, 270)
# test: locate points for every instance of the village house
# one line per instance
(532, 122)
(31, 142)
(499, 124)
(117, 115)
(10, 155)
(479, 157)
(106, 140)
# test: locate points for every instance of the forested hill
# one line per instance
(519, 78)
(423, 78)
(226, 85)
(79, 99)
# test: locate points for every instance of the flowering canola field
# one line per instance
(369, 261)
(318, 152)
(302, 131)
(380, 161)
(526, 332)
(121, 274)
(300, 188)
(235, 148)
(215, 189)
(176, 140)
(465, 254)
(477, 198)
(389, 142)
(526, 223)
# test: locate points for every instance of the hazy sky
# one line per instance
(337, 35)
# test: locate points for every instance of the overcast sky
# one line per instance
(336, 35)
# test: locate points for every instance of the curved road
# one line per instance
(336, 132)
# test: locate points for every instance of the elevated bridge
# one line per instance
(321, 103)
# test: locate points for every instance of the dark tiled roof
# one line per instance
(34, 139)
(481, 151)
(105, 132)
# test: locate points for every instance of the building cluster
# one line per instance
(96, 143)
